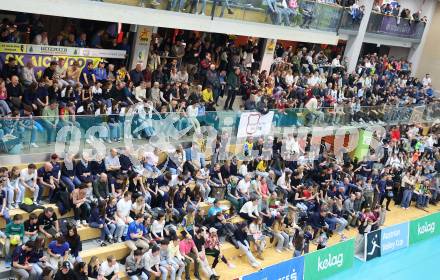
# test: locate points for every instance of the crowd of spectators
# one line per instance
(157, 207)
(30, 29)
(190, 75)
(393, 8)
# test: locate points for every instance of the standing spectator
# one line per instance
(233, 85)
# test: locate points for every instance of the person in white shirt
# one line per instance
(110, 268)
(140, 92)
(158, 226)
(123, 212)
(112, 164)
(249, 211)
(426, 81)
(28, 180)
(244, 186)
(152, 262)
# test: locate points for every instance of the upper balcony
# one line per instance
(390, 26)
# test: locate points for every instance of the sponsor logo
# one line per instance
(426, 228)
(330, 261)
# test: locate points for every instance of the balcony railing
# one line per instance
(395, 26)
(17, 134)
(309, 14)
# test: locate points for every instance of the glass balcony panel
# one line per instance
(395, 26)
(17, 135)
(308, 14)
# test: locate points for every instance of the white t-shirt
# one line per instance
(243, 186)
(107, 269)
(124, 207)
(249, 208)
(25, 176)
(151, 260)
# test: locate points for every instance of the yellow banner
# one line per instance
(12, 48)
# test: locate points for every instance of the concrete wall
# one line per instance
(430, 59)
(399, 52)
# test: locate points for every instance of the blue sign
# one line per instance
(292, 269)
(394, 238)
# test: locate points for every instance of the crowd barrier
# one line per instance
(327, 262)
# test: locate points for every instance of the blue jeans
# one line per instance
(71, 183)
(406, 199)
(202, 11)
(106, 231)
(6, 216)
(115, 131)
(50, 130)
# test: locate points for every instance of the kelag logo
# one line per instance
(424, 228)
(394, 238)
(292, 269)
(330, 261)
(326, 262)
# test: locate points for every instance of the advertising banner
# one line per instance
(329, 261)
(254, 124)
(363, 145)
(41, 62)
(389, 25)
(373, 244)
(60, 50)
(424, 228)
(394, 238)
(292, 269)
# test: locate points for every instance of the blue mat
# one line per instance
(420, 261)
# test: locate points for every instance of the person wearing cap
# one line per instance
(65, 272)
(136, 233)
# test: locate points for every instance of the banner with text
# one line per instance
(394, 238)
(329, 261)
(254, 124)
(292, 269)
(424, 228)
(41, 62)
(60, 50)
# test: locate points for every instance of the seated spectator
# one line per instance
(136, 234)
(58, 251)
(20, 265)
(110, 268)
(48, 223)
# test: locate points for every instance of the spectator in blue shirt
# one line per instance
(101, 73)
(136, 234)
(214, 208)
(87, 75)
(57, 251)
(81, 42)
